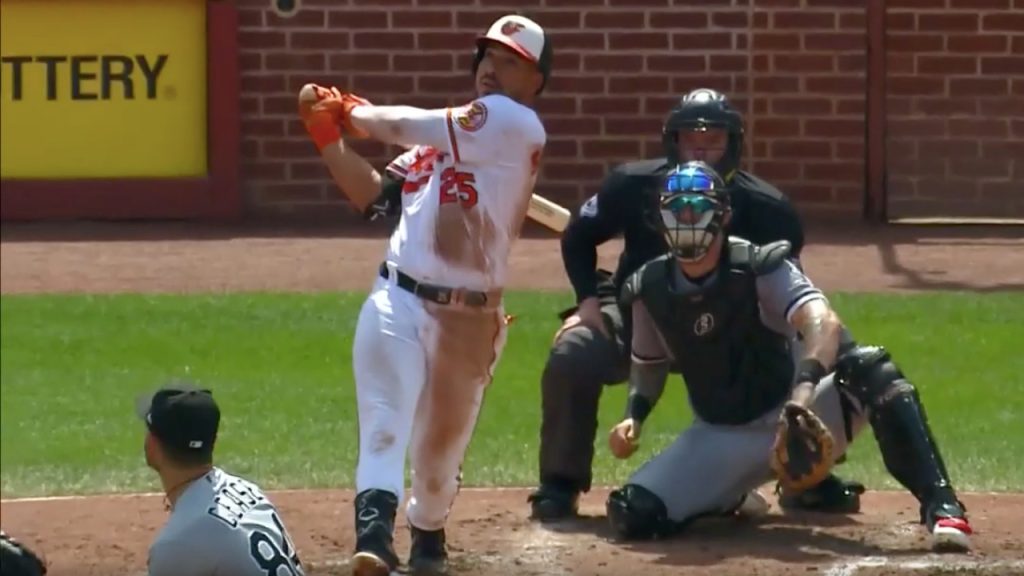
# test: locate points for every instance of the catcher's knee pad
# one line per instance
(898, 420)
(635, 512)
(869, 375)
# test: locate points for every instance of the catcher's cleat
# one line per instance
(750, 506)
(753, 505)
(551, 502)
(951, 532)
(833, 495)
(951, 535)
(428, 555)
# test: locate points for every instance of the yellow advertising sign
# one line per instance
(102, 88)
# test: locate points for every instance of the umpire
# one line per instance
(592, 348)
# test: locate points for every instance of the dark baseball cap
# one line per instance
(181, 416)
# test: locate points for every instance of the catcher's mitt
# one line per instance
(802, 453)
(17, 559)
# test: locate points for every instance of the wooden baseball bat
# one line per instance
(548, 213)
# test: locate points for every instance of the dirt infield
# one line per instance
(490, 535)
(489, 532)
(182, 258)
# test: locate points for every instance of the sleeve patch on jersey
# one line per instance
(589, 208)
(471, 117)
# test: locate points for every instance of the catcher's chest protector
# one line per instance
(735, 368)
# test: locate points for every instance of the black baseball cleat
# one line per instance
(833, 495)
(428, 555)
(551, 502)
(375, 525)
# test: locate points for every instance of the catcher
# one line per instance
(724, 312)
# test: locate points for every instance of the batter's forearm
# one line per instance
(360, 182)
(403, 125)
(646, 383)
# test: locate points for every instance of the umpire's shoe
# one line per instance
(375, 526)
(428, 555)
(832, 495)
(553, 502)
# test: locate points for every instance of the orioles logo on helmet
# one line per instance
(511, 27)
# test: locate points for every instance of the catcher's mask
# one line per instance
(524, 37)
(701, 110)
(692, 205)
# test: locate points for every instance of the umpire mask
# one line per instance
(698, 111)
(693, 205)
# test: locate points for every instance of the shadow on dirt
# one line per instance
(917, 280)
(793, 538)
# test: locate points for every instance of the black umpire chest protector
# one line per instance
(736, 369)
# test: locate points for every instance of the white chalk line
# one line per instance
(116, 495)
(850, 567)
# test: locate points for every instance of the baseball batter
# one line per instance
(220, 525)
(725, 312)
(432, 329)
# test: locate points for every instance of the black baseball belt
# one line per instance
(441, 294)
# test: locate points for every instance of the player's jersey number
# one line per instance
(458, 187)
(270, 557)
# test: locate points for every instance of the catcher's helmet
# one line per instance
(692, 206)
(700, 110)
(523, 36)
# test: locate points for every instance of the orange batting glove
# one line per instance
(348, 103)
(320, 109)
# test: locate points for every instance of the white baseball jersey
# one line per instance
(223, 525)
(465, 196)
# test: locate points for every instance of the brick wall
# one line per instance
(797, 67)
(956, 107)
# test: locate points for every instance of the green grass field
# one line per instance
(71, 366)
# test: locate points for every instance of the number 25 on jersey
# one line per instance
(458, 187)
